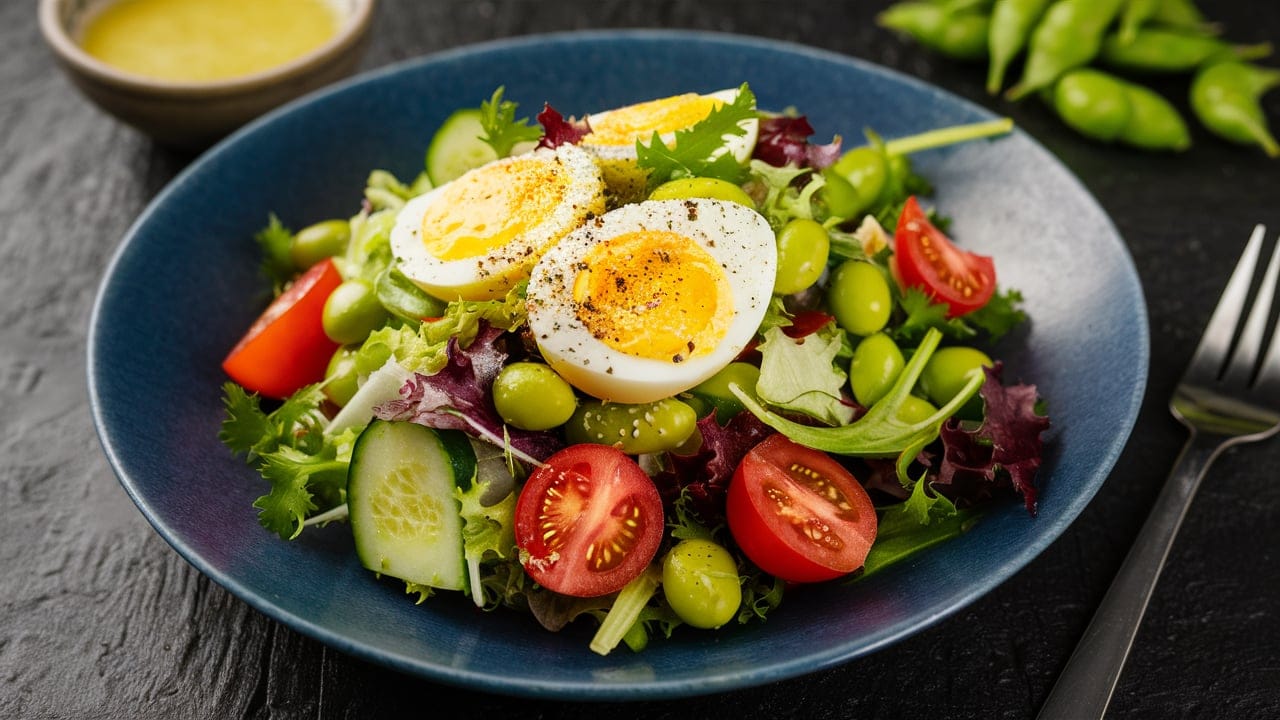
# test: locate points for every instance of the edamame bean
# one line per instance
(532, 396)
(876, 364)
(855, 181)
(634, 429)
(915, 409)
(701, 584)
(948, 28)
(352, 312)
(715, 389)
(1104, 107)
(342, 378)
(947, 372)
(1011, 24)
(1067, 37)
(1226, 97)
(859, 297)
(316, 242)
(701, 187)
(803, 247)
(1160, 50)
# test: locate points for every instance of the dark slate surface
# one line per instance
(100, 618)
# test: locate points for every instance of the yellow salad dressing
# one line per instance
(206, 40)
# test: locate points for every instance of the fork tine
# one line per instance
(1245, 359)
(1268, 382)
(1210, 354)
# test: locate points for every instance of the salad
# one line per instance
(651, 368)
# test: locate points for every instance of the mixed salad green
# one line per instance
(862, 420)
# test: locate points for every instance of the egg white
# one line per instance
(737, 238)
(492, 274)
(740, 146)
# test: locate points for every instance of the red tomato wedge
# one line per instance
(286, 347)
(923, 257)
(798, 514)
(588, 521)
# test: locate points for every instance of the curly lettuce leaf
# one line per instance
(558, 130)
(784, 140)
(1003, 452)
(460, 397)
(879, 432)
(801, 376)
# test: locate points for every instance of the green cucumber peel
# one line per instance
(879, 433)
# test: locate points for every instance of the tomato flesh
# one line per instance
(798, 514)
(588, 521)
(925, 258)
(286, 347)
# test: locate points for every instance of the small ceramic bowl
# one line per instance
(194, 115)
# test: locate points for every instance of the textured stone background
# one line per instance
(100, 618)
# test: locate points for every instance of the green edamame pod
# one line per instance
(951, 30)
(634, 429)
(1181, 14)
(1011, 24)
(1068, 36)
(1134, 15)
(1225, 98)
(1158, 50)
(1104, 107)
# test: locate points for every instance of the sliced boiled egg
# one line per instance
(475, 237)
(614, 134)
(652, 298)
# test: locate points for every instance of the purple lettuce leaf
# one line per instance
(460, 397)
(557, 130)
(1003, 453)
(706, 473)
(784, 140)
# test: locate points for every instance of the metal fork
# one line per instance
(1225, 397)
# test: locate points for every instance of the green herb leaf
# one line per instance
(501, 129)
(274, 240)
(921, 521)
(700, 151)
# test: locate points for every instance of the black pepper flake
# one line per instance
(677, 359)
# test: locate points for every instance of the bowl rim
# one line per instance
(350, 32)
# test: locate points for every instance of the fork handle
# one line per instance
(1086, 684)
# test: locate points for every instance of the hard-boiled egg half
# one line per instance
(475, 237)
(652, 298)
(614, 134)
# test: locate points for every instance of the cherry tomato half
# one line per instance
(798, 514)
(924, 258)
(588, 521)
(286, 347)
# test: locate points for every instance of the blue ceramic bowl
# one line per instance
(184, 285)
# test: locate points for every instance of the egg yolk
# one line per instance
(638, 122)
(481, 212)
(653, 294)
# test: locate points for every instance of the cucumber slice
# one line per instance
(457, 147)
(404, 511)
